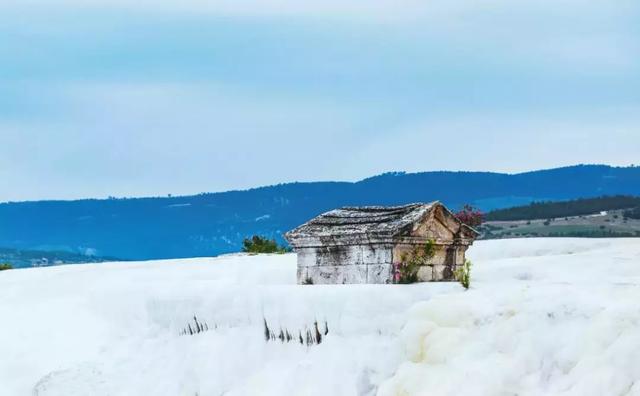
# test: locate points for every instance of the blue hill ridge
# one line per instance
(215, 223)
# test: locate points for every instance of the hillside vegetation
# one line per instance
(603, 217)
(632, 213)
(576, 207)
(258, 244)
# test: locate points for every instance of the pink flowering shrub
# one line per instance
(470, 216)
(406, 271)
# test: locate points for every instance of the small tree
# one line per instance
(470, 216)
(5, 266)
(259, 244)
(406, 271)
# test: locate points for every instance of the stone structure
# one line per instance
(361, 244)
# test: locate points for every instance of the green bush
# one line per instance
(258, 244)
(463, 274)
(5, 266)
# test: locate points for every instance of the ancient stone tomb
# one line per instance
(361, 244)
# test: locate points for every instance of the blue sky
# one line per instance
(101, 97)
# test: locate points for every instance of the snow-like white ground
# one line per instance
(543, 317)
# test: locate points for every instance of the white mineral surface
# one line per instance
(543, 317)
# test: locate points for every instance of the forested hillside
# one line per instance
(211, 224)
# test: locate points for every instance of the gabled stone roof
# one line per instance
(360, 224)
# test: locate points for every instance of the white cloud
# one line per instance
(570, 33)
(264, 107)
(147, 139)
(506, 142)
(436, 10)
(154, 139)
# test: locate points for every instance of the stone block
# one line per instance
(379, 273)
(443, 273)
(337, 274)
(425, 273)
(306, 257)
(377, 254)
(339, 255)
(302, 275)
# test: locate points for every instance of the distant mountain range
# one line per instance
(211, 224)
(30, 258)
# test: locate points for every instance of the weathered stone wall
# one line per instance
(346, 264)
(372, 263)
(441, 267)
